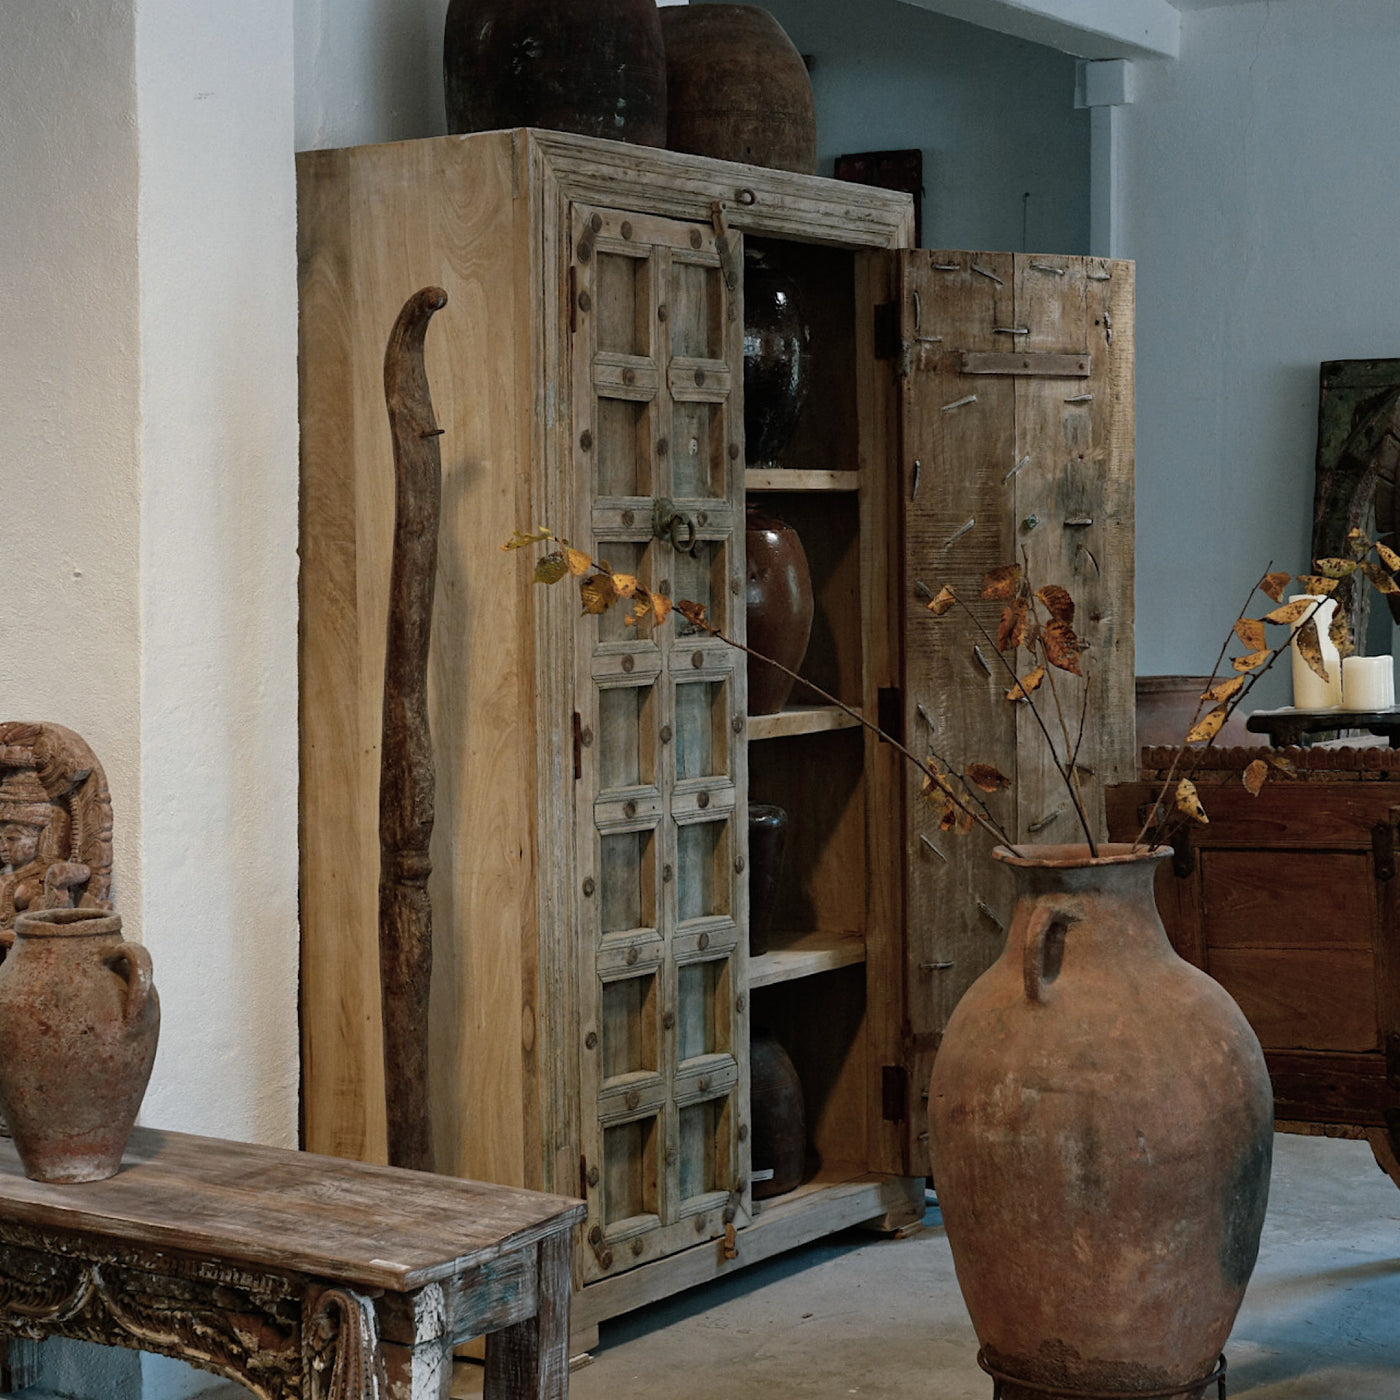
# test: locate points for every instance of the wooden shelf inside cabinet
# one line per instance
(800, 719)
(798, 479)
(804, 955)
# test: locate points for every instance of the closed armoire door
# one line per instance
(660, 790)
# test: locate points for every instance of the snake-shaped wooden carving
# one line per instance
(406, 773)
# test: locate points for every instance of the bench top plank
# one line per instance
(361, 1224)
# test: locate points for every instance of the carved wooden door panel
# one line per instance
(1017, 446)
(660, 770)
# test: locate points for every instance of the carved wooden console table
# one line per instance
(297, 1275)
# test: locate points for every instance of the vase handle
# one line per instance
(1042, 949)
(138, 977)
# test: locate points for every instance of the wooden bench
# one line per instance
(296, 1275)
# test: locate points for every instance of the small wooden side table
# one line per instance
(296, 1275)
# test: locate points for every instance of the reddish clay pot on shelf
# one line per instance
(79, 1020)
(596, 67)
(737, 88)
(1101, 1129)
(779, 1119)
(779, 608)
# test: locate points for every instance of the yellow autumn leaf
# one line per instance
(694, 613)
(625, 585)
(1057, 602)
(1250, 631)
(1339, 634)
(1388, 556)
(1335, 568)
(597, 593)
(1252, 662)
(1003, 583)
(1027, 685)
(1310, 648)
(1291, 612)
(1281, 763)
(1274, 584)
(1380, 580)
(550, 568)
(1208, 726)
(986, 777)
(945, 600)
(1188, 802)
(660, 607)
(1317, 584)
(1223, 690)
(1359, 542)
(1255, 776)
(519, 538)
(579, 563)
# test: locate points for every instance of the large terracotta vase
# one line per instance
(737, 88)
(79, 1019)
(1101, 1128)
(779, 608)
(596, 67)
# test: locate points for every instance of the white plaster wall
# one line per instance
(218, 561)
(1260, 202)
(70, 367)
(148, 454)
(368, 71)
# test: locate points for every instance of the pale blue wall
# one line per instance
(1260, 203)
(994, 116)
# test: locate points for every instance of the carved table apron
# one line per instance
(297, 1275)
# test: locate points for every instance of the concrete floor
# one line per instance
(856, 1315)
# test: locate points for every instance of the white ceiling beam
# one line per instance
(1088, 28)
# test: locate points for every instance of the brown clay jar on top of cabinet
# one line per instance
(594, 992)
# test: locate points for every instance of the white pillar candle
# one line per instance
(1368, 683)
(1310, 691)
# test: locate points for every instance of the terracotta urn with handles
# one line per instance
(1101, 1130)
(79, 1020)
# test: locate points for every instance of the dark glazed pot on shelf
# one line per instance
(779, 608)
(79, 1019)
(1101, 1129)
(737, 88)
(777, 359)
(767, 836)
(779, 1119)
(595, 67)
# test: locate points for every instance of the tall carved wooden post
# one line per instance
(406, 775)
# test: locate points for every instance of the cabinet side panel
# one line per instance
(377, 224)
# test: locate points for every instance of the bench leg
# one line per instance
(530, 1361)
(19, 1364)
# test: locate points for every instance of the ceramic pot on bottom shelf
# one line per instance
(79, 1020)
(1101, 1131)
(779, 608)
(778, 1111)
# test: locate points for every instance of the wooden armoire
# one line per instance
(593, 993)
